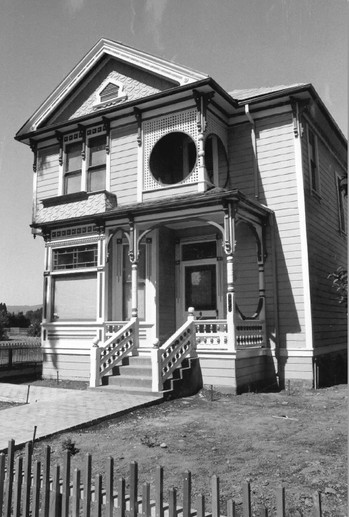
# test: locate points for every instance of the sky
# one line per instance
(240, 43)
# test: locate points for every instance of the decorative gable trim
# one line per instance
(180, 75)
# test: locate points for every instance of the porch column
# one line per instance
(134, 289)
(229, 248)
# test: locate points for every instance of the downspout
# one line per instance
(254, 147)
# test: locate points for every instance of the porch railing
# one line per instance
(250, 334)
(119, 345)
(169, 356)
(211, 333)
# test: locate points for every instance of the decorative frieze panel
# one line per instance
(91, 204)
(154, 129)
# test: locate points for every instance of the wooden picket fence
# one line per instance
(27, 489)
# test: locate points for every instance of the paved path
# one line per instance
(53, 410)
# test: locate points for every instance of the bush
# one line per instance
(340, 284)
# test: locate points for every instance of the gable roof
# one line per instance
(178, 74)
(251, 93)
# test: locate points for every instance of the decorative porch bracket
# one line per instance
(166, 358)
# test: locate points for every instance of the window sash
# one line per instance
(75, 297)
(75, 258)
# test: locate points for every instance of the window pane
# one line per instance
(73, 258)
(75, 298)
(96, 179)
(72, 183)
(73, 157)
(97, 151)
(200, 287)
(199, 250)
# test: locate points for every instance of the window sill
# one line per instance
(72, 198)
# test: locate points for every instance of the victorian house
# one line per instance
(189, 231)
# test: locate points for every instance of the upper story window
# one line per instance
(85, 159)
(75, 257)
(72, 168)
(216, 161)
(96, 164)
(341, 197)
(173, 158)
(313, 161)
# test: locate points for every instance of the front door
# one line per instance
(199, 280)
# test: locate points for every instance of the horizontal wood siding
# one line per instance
(47, 173)
(246, 269)
(124, 164)
(327, 248)
(278, 190)
(66, 366)
(241, 159)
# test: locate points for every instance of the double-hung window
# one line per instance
(96, 171)
(341, 197)
(72, 168)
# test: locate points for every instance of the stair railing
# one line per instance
(110, 354)
(166, 358)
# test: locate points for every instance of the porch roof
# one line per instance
(214, 197)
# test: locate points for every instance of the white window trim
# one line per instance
(107, 162)
(340, 204)
(315, 191)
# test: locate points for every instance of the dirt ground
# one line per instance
(294, 438)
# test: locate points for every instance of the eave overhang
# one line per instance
(213, 198)
(167, 97)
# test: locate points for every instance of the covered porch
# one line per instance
(185, 282)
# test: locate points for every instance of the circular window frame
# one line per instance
(157, 176)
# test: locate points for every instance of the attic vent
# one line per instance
(109, 92)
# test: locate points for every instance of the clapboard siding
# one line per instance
(278, 189)
(47, 173)
(66, 366)
(123, 164)
(327, 248)
(246, 266)
(240, 154)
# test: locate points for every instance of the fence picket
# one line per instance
(122, 497)
(46, 482)
(280, 502)
(215, 497)
(159, 492)
(9, 478)
(55, 499)
(146, 510)
(109, 488)
(231, 509)
(66, 484)
(18, 487)
(317, 510)
(186, 493)
(76, 493)
(27, 479)
(36, 489)
(246, 497)
(201, 506)
(98, 495)
(86, 506)
(133, 489)
(2, 479)
(172, 502)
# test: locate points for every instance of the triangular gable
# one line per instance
(154, 73)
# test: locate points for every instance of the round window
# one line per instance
(173, 158)
(216, 161)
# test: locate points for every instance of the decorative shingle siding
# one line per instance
(327, 248)
(123, 164)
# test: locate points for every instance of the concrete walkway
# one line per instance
(54, 409)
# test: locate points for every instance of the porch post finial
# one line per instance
(191, 315)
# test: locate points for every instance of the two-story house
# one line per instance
(181, 220)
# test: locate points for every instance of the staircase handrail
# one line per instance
(169, 356)
(105, 357)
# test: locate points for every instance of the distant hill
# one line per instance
(22, 308)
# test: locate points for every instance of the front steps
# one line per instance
(134, 376)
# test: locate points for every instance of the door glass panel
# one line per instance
(199, 250)
(200, 287)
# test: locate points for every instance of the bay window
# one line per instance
(72, 168)
(96, 164)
